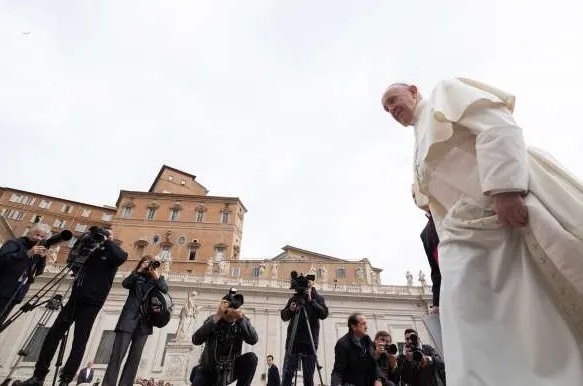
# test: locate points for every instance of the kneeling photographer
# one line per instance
(94, 259)
(302, 341)
(421, 364)
(223, 334)
(133, 326)
(386, 354)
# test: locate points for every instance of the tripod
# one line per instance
(35, 300)
(302, 311)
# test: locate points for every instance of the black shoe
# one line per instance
(33, 381)
(63, 382)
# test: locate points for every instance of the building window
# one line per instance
(170, 178)
(15, 198)
(156, 239)
(72, 242)
(6, 213)
(18, 215)
(80, 227)
(225, 217)
(66, 208)
(236, 272)
(151, 213)
(126, 212)
(192, 253)
(174, 214)
(219, 253)
(44, 204)
(28, 200)
(340, 273)
(86, 213)
(103, 355)
(199, 216)
(34, 345)
(169, 338)
(59, 223)
(106, 217)
(320, 273)
(36, 219)
(255, 272)
(183, 182)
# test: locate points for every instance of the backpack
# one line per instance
(157, 307)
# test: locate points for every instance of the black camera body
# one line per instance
(234, 299)
(153, 264)
(391, 349)
(299, 282)
(415, 348)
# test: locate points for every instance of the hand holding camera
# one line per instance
(37, 250)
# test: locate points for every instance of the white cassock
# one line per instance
(511, 303)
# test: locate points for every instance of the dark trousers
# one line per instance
(243, 372)
(120, 347)
(83, 315)
(6, 305)
(290, 365)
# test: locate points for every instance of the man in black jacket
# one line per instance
(21, 260)
(354, 357)
(273, 378)
(90, 289)
(301, 347)
(223, 334)
(428, 369)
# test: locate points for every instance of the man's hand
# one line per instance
(236, 314)
(392, 361)
(434, 310)
(37, 250)
(221, 311)
(379, 349)
(510, 208)
(426, 361)
(378, 383)
(154, 273)
(293, 307)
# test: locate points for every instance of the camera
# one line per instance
(414, 348)
(153, 264)
(299, 282)
(391, 349)
(234, 299)
(88, 243)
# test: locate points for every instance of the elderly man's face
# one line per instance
(400, 101)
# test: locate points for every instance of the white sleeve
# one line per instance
(500, 149)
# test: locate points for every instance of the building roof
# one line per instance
(103, 207)
(177, 196)
(164, 167)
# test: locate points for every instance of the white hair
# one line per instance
(45, 228)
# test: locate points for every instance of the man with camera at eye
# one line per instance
(304, 311)
(21, 260)
(223, 334)
(386, 354)
(421, 364)
(94, 259)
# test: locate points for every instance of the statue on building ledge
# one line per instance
(187, 317)
(209, 266)
(409, 279)
(422, 279)
(274, 269)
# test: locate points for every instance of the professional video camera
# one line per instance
(88, 243)
(415, 348)
(300, 283)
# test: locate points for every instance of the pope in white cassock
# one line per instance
(510, 224)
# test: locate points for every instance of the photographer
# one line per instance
(94, 277)
(354, 360)
(21, 260)
(301, 346)
(421, 364)
(223, 334)
(133, 327)
(386, 356)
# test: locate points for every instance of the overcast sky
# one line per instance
(276, 102)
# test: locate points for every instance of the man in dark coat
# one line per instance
(301, 346)
(273, 378)
(223, 335)
(354, 357)
(21, 260)
(92, 284)
(86, 374)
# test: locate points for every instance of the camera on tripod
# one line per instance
(415, 348)
(88, 243)
(300, 283)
